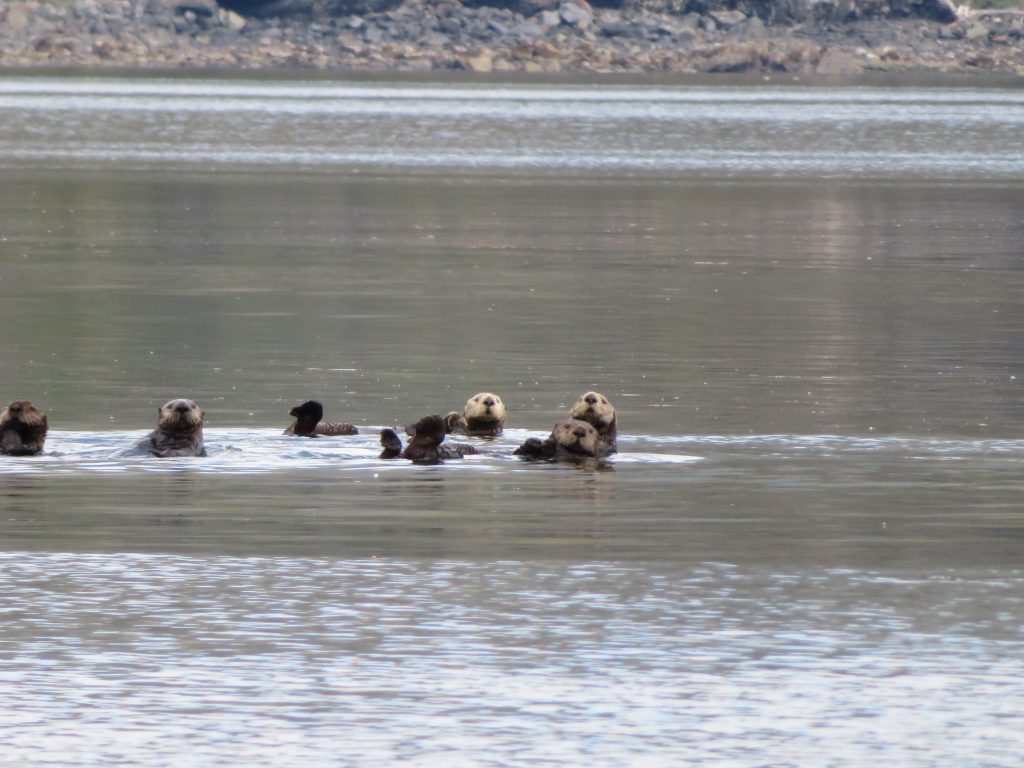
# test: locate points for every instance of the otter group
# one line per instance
(589, 432)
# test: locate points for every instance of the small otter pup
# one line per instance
(179, 431)
(308, 422)
(22, 429)
(569, 440)
(594, 408)
(425, 446)
(391, 443)
(482, 416)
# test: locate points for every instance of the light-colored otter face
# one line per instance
(485, 405)
(594, 408)
(577, 436)
(24, 413)
(181, 415)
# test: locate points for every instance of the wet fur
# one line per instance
(482, 416)
(179, 431)
(570, 440)
(425, 446)
(22, 429)
(595, 409)
(308, 422)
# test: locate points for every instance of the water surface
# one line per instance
(804, 301)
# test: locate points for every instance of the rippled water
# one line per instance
(804, 301)
(712, 130)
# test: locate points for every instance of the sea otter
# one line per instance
(482, 416)
(179, 431)
(425, 447)
(391, 443)
(594, 408)
(569, 440)
(308, 422)
(22, 429)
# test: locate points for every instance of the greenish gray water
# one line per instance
(809, 317)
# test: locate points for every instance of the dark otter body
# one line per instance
(425, 447)
(391, 443)
(22, 429)
(569, 440)
(595, 409)
(179, 431)
(308, 422)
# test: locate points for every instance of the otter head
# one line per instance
(484, 414)
(21, 413)
(577, 436)
(485, 405)
(180, 415)
(594, 408)
(391, 443)
(430, 430)
(307, 416)
(456, 423)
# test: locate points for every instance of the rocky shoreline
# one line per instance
(566, 36)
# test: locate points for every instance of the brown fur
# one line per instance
(179, 431)
(308, 422)
(22, 429)
(569, 440)
(595, 409)
(425, 447)
(391, 443)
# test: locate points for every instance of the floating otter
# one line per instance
(22, 429)
(572, 439)
(425, 446)
(391, 443)
(179, 431)
(308, 422)
(482, 416)
(594, 408)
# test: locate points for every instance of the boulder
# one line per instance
(835, 61)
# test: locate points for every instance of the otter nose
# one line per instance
(183, 407)
(591, 399)
(489, 401)
(15, 407)
(579, 432)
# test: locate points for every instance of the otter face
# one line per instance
(485, 405)
(180, 415)
(576, 436)
(594, 408)
(22, 413)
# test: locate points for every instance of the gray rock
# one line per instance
(575, 15)
(17, 18)
(727, 19)
(550, 18)
(838, 62)
(204, 8)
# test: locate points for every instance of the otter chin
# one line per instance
(482, 416)
(308, 422)
(425, 446)
(595, 409)
(179, 430)
(572, 439)
(22, 429)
